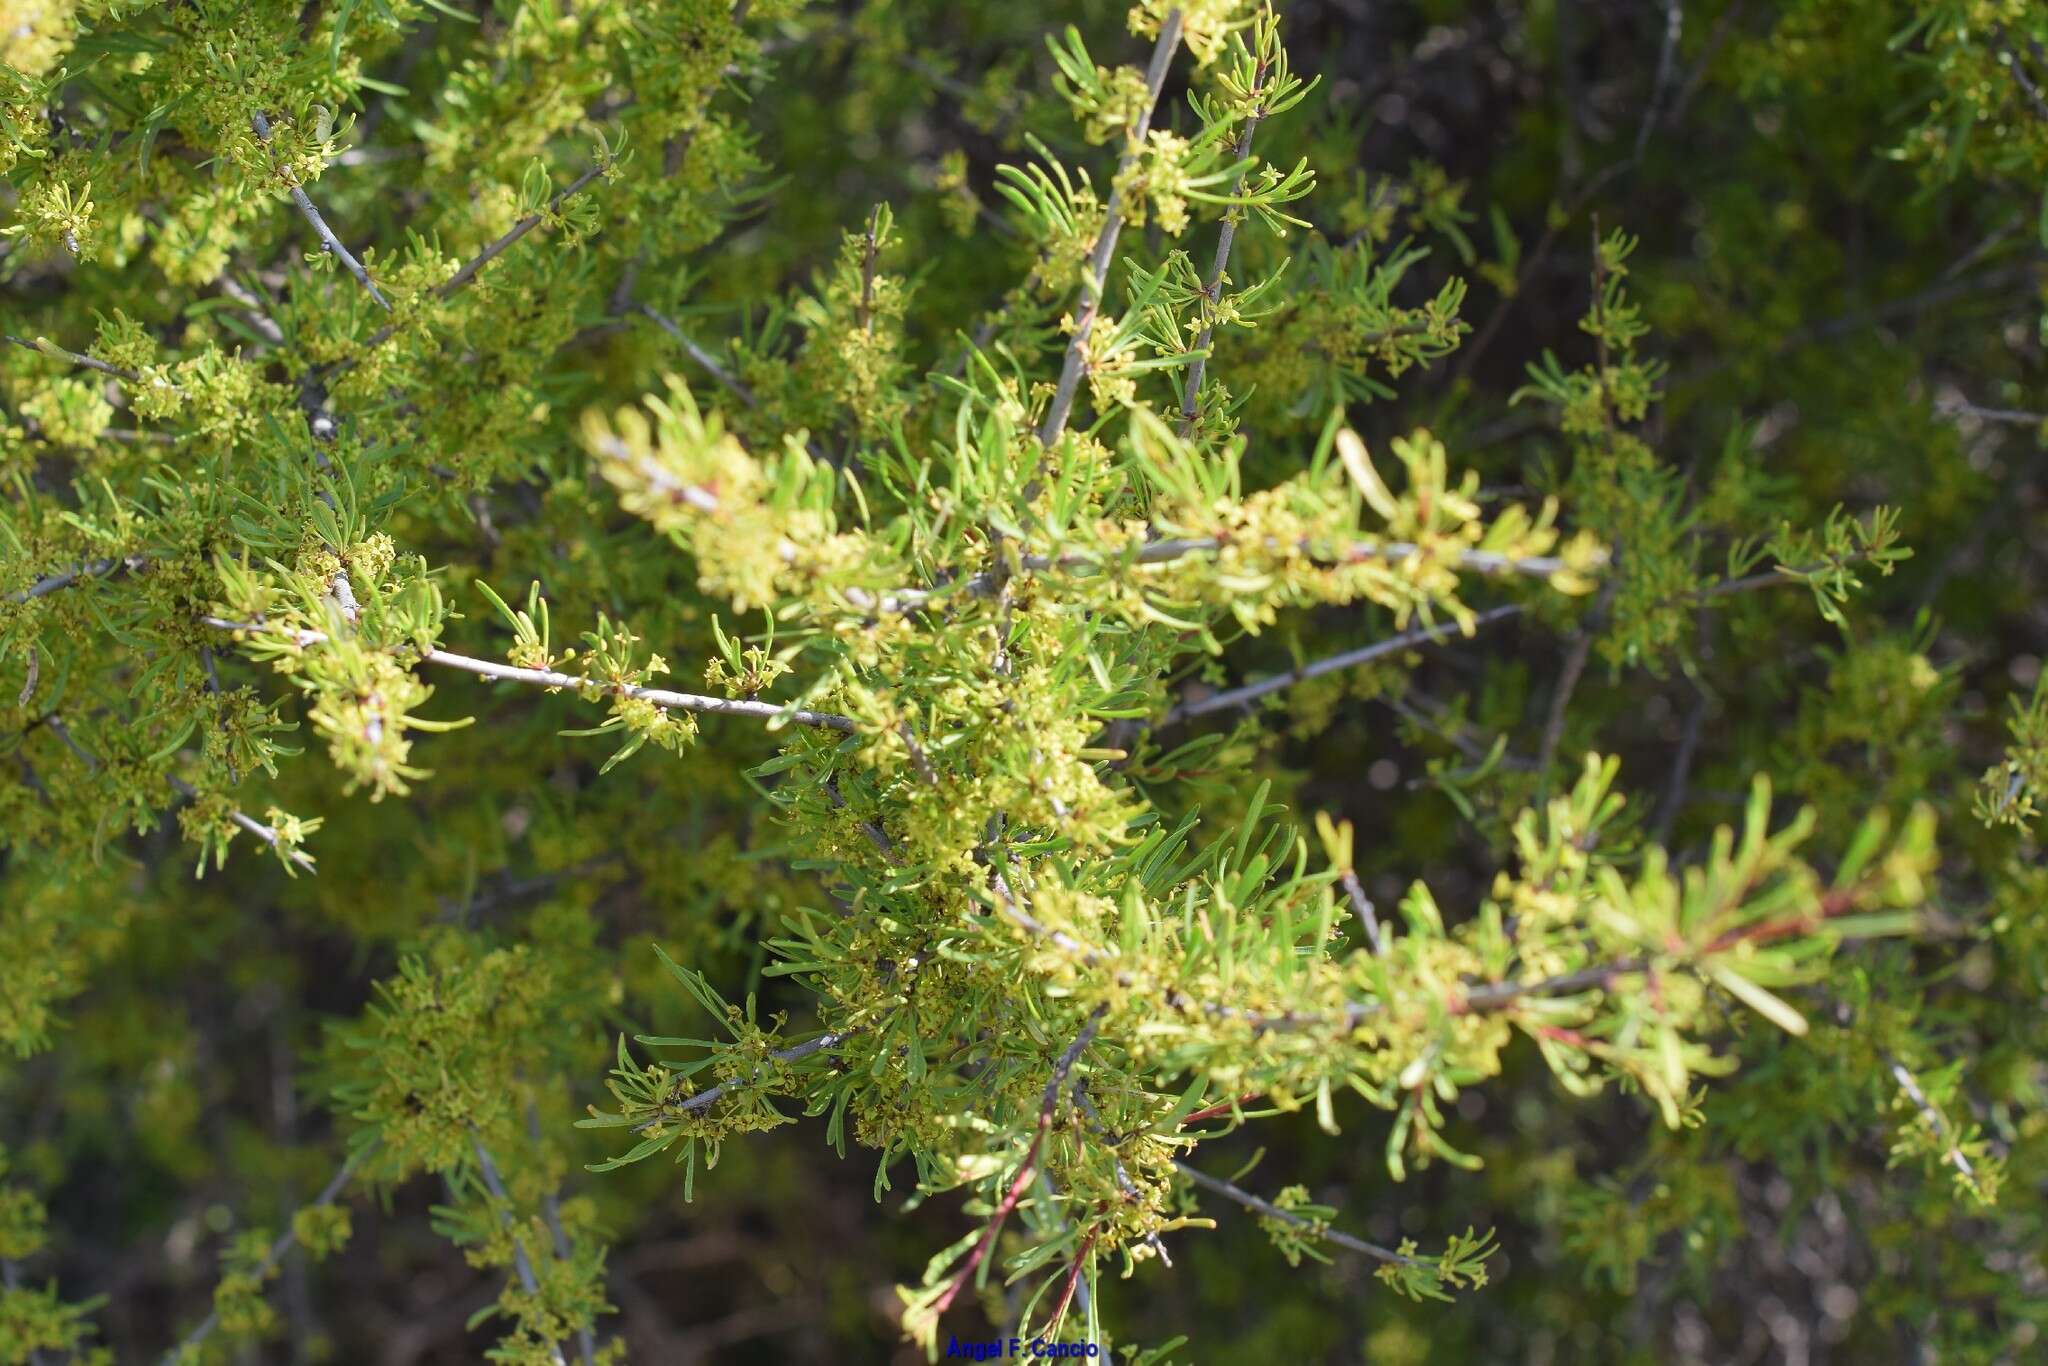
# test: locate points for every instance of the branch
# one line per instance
(1935, 1121)
(2023, 273)
(282, 1245)
(704, 358)
(1219, 1109)
(864, 311)
(2019, 74)
(1681, 767)
(1126, 1187)
(1273, 1211)
(328, 241)
(1494, 996)
(1080, 1262)
(1962, 408)
(551, 1210)
(713, 1093)
(1362, 905)
(877, 836)
(1480, 999)
(585, 687)
(455, 283)
(1024, 920)
(1105, 245)
(1580, 650)
(185, 789)
(1061, 1068)
(1674, 27)
(267, 834)
(1212, 290)
(1423, 635)
(254, 309)
(1164, 551)
(89, 569)
(527, 1280)
(1240, 696)
(45, 347)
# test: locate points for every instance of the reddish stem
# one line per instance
(1059, 1312)
(1214, 1110)
(995, 1222)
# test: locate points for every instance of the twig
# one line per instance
(732, 383)
(1273, 1211)
(1105, 244)
(2019, 74)
(1749, 583)
(711, 1094)
(876, 835)
(1212, 289)
(1050, 1102)
(1494, 995)
(704, 358)
(551, 1210)
(520, 1261)
(42, 346)
(1363, 906)
(1164, 551)
(1674, 27)
(206, 663)
(1674, 21)
(2016, 416)
(253, 309)
(1436, 721)
(249, 823)
(271, 1258)
(1220, 1108)
(1681, 768)
(1240, 696)
(1568, 677)
(585, 687)
(1469, 357)
(1911, 1085)
(864, 311)
(1025, 921)
(461, 278)
(1125, 1186)
(1080, 1262)
(90, 569)
(328, 241)
(56, 726)
(2019, 273)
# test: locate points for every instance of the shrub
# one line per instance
(1027, 597)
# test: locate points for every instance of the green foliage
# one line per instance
(1197, 631)
(34, 1320)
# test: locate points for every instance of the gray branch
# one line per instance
(584, 687)
(45, 347)
(712, 1094)
(1406, 640)
(278, 1249)
(520, 1261)
(268, 834)
(1212, 291)
(1076, 361)
(328, 241)
(1273, 1211)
